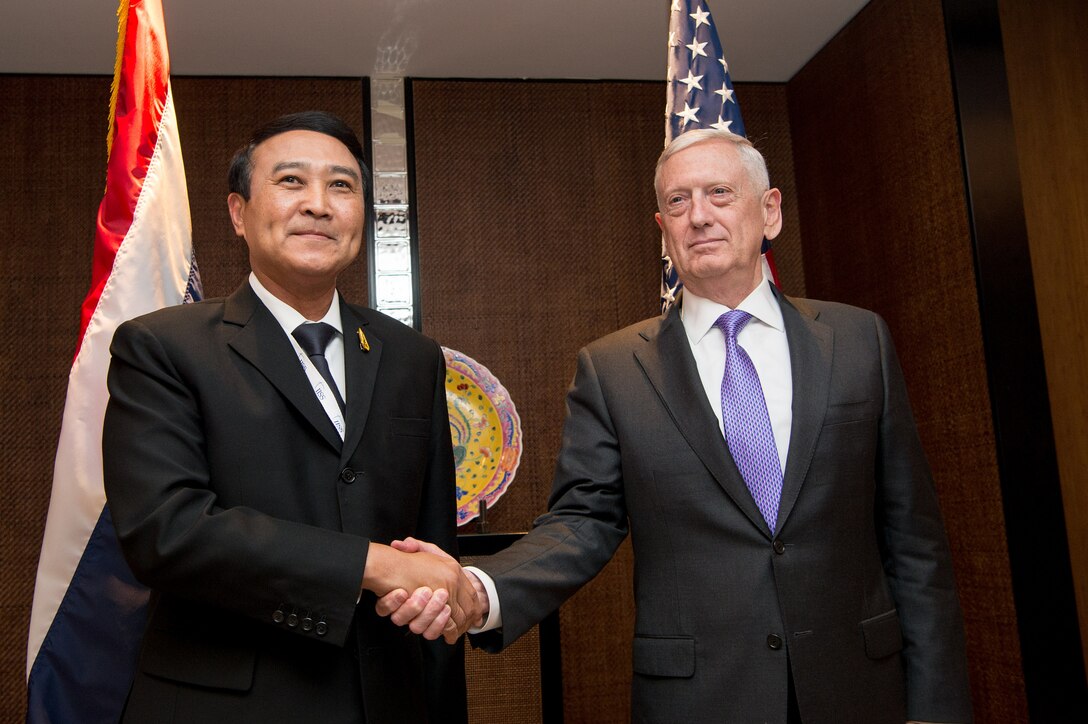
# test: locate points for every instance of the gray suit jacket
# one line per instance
(855, 592)
(236, 502)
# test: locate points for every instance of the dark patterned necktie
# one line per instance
(748, 431)
(314, 338)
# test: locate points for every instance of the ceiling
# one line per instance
(763, 40)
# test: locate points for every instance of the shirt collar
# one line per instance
(289, 317)
(699, 314)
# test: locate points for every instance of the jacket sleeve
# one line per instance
(917, 559)
(585, 523)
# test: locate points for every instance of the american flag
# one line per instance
(699, 94)
(700, 91)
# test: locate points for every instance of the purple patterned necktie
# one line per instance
(747, 425)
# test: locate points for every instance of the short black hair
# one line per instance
(240, 175)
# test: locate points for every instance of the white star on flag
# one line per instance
(721, 125)
(725, 93)
(689, 114)
(696, 48)
(725, 66)
(692, 81)
(700, 16)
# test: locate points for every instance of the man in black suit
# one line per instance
(790, 559)
(260, 449)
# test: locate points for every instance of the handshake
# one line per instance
(423, 587)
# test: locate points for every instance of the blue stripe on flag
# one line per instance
(85, 651)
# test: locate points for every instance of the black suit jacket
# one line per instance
(854, 593)
(237, 503)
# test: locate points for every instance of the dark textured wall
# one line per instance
(883, 209)
(53, 147)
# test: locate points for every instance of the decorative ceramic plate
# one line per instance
(486, 433)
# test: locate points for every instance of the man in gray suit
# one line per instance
(790, 559)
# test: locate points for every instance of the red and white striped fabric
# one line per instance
(82, 646)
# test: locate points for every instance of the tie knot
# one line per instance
(732, 322)
(314, 338)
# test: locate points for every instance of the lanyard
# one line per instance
(321, 388)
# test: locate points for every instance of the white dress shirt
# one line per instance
(289, 318)
(763, 338)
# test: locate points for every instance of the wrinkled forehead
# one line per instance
(710, 158)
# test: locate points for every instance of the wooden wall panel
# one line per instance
(1046, 45)
(766, 118)
(53, 149)
(885, 227)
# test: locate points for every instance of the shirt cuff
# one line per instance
(494, 615)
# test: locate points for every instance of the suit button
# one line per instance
(292, 619)
(774, 641)
(347, 475)
(277, 615)
(779, 547)
(322, 628)
(307, 624)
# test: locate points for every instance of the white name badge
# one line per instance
(321, 389)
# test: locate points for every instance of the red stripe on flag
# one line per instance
(769, 258)
(141, 94)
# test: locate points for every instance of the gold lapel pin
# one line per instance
(363, 344)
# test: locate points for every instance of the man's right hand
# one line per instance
(423, 568)
(424, 611)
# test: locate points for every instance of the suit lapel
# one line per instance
(262, 342)
(360, 372)
(670, 367)
(811, 343)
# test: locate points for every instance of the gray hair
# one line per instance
(751, 158)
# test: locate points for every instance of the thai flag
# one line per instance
(89, 612)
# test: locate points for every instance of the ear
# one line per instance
(772, 213)
(237, 207)
(657, 218)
